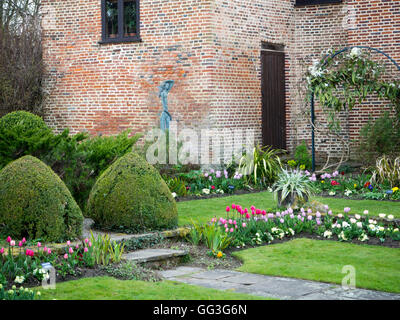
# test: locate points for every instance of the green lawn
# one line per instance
(376, 267)
(106, 288)
(205, 210)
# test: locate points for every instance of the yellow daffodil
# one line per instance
(395, 189)
(355, 185)
(220, 254)
(322, 181)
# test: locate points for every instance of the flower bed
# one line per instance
(243, 227)
(20, 264)
(352, 186)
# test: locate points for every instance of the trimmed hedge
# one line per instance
(36, 204)
(25, 120)
(131, 196)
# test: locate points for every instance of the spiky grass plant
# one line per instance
(262, 165)
(292, 185)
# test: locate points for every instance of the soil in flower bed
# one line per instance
(217, 195)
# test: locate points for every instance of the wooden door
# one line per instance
(273, 98)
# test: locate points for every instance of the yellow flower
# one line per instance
(395, 189)
(322, 181)
(355, 185)
(302, 167)
(220, 254)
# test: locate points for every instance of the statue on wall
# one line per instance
(165, 119)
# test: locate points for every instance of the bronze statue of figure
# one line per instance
(165, 119)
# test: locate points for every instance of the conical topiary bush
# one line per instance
(36, 204)
(131, 196)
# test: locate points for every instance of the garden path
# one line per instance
(268, 286)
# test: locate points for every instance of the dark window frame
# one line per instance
(120, 37)
(300, 3)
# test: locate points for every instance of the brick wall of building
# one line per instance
(211, 48)
(106, 88)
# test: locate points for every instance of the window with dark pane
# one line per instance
(120, 20)
(130, 15)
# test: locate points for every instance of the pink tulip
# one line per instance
(20, 244)
(71, 250)
(228, 209)
(77, 246)
(23, 240)
(233, 206)
(85, 250)
(89, 244)
(9, 239)
(2, 251)
(263, 212)
(39, 244)
(65, 256)
(226, 230)
(68, 243)
(87, 240)
(244, 225)
(247, 216)
(49, 251)
(231, 230)
(12, 243)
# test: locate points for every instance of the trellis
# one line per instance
(312, 100)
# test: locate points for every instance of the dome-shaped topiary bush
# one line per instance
(25, 120)
(131, 196)
(36, 204)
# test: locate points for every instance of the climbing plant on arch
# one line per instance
(344, 78)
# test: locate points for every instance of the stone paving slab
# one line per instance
(148, 255)
(273, 287)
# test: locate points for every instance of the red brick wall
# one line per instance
(105, 88)
(211, 48)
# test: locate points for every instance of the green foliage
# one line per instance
(77, 159)
(131, 196)
(387, 170)
(215, 238)
(35, 203)
(80, 159)
(143, 242)
(18, 294)
(378, 138)
(294, 184)
(22, 119)
(22, 133)
(106, 251)
(341, 82)
(302, 156)
(176, 185)
(196, 233)
(262, 165)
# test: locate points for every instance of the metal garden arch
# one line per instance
(312, 102)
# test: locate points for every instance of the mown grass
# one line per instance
(376, 267)
(205, 210)
(107, 288)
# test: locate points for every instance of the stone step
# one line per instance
(149, 255)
